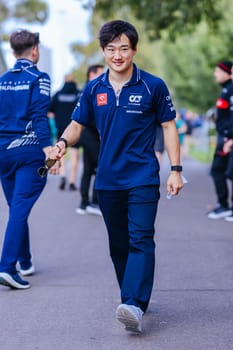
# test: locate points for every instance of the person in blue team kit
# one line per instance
(25, 142)
(127, 104)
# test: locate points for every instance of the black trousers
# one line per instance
(221, 172)
(90, 145)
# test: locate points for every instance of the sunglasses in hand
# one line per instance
(43, 171)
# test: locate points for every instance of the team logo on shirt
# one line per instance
(102, 99)
(170, 104)
(135, 99)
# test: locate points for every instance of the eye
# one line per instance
(110, 49)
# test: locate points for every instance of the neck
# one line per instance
(118, 80)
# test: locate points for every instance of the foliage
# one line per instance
(174, 16)
(204, 155)
(194, 36)
(29, 10)
(4, 11)
(190, 61)
(87, 54)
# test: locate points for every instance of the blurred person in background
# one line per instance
(228, 148)
(61, 108)
(90, 141)
(159, 146)
(182, 130)
(222, 165)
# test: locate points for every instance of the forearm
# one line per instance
(72, 133)
(70, 136)
(172, 143)
(171, 139)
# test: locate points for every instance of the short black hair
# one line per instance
(114, 29)
(22, 39)
(93, 68)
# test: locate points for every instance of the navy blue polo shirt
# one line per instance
(127, 124)
(24, 101)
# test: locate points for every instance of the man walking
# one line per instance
(127, 104)
(25, 141)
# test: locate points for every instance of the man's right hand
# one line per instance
(227, 147)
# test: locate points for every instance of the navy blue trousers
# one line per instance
(129, 216)
(22, 186)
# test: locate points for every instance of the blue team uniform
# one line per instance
(127, 178)
(126, 124)
(24, 132)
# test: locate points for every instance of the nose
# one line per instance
(117, 54)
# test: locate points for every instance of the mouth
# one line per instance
(118, 63)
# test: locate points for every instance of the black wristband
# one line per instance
(64, 140)
(176, 168)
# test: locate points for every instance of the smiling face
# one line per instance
(119, 54)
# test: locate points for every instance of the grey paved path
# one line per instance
(74, 294)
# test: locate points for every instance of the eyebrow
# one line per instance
(113, 45)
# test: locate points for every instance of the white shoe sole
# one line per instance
(220, 216)
(7, 280)
(93, 211)
(131, 322)
(80, 211)
(28, 272)
(229, 219)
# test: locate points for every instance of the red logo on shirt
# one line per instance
(102, 99)
(222, 104)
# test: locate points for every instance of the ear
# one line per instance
(102, 51)
(35, 50)
(34, 53)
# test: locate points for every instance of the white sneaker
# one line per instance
(81, 211)
(93, 209)
(229, 218)
(219, 213)
(130, 316)
(28, 272)
(13, 281)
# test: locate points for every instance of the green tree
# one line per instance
(186, 63)
(173, 16)
(189, 62)
(87, 54)
(31, 11)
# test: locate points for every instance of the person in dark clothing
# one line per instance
(90, 141)
(159, 146)
(61, 108)
(222, 165)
